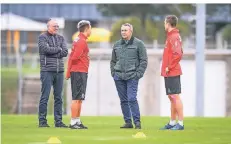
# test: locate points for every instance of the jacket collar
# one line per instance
(129, 42)
(50, 34)
(81, 35)
(175, 30)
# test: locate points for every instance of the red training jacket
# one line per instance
(79, 58)
(172, 54)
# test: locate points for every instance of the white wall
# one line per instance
(215, 89)
(102, 98)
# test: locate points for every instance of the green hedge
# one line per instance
(226, 33)
(154, 29)
(151, 29)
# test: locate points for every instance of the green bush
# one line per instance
(226, 33)
(183, 27)
(151, 30)
(154, 30)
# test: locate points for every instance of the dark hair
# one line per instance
(83, 25)
(172, 20)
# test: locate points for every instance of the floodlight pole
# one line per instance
(200, 57)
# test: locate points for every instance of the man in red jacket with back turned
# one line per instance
(78, 64)
(171, 71)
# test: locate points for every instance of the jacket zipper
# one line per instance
(57, 65)
(45, 61)
(125, 70)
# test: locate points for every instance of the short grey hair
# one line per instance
(83, 23)
(50, 19)
(129, 25)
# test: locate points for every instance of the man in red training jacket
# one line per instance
(171, 71)
(78, 64)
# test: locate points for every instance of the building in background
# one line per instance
(68, 16)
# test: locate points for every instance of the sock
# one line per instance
(172, 122)
(73, 121)
(78, 120)
(181, 123)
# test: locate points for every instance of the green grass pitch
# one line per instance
(23, 129)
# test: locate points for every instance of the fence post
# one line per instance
(228, 84)
(19, 67)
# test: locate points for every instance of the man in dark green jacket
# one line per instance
(128, 64)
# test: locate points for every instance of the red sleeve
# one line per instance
(77, 50)
(68, 74)
(176, 49)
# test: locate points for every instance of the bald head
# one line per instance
(52, 26)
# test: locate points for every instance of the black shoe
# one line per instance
(61, 125)
(83, 126)
(77, 126)
(137, 126)
(43, 125)
(127, 125)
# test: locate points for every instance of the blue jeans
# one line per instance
(127, 91)
(48, 79)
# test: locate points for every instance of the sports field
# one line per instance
(105, 130)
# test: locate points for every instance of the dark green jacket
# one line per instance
(129, 60)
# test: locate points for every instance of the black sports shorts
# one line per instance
(172, 85)
(78, 85)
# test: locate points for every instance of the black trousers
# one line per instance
(49, 79)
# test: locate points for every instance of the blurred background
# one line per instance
(21, 24)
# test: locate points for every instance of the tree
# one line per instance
(218, 9)
(226, 32)
(142, 11)
(184, 28)
(151, 29)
